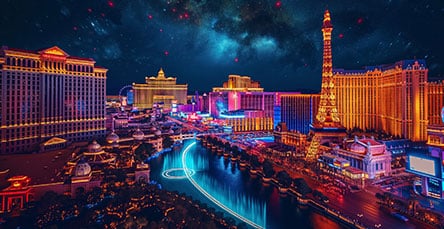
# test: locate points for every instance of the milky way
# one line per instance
(278, 43)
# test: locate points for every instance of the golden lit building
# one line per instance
(436, 102)
(159, 89)
(47, 94)
(393, 98)
(243, 104)
(240, 84)
(299, 110)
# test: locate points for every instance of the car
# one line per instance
(378, 225)
(400, 216)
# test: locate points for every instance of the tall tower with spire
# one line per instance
(327, 126)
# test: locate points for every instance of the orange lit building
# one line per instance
(436, 102)
(240, 84)
(159, 89)
(393, 98)
(47, 94)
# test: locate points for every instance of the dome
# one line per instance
(82, 169)
(138, 135)
(358, 148)
(113, 137)
(158, 132)
(94, 147)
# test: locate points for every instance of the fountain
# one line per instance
(241, 206)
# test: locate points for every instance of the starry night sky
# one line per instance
(278, 43)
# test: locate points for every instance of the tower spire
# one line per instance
(326, 126)
(327, 113)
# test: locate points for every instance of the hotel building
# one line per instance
(436, 102)
(46, 94)
(159, 89)
(242, 103)
(393, 98)
(299, 110)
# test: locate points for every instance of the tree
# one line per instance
(267, 168)
(167, 142)
(284, 179)
(255, 162)
(143, 151)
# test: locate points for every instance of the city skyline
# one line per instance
(202, 42)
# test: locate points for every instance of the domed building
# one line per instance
(138, 135)
(357, 160)
(94, 155)
(368, 155)
(113, 137)
(82, 169)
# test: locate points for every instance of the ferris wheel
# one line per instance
(124, 94)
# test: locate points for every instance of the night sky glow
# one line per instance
(278, 43)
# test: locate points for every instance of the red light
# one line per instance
(110, 3)
(186, 15)
(150, 16)
(360, 20)
(74, 28)
(278, 4)
(166, 53)
(341, 35)
(90, 10)
(236, 59)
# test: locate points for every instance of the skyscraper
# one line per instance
(48, 94)
(326, 126)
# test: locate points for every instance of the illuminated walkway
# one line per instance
(258, 210)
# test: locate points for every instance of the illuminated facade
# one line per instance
(290, 137)
(327, 126)
(299, 110)
(436, 102)
(239, 84)
(367, 155)
(159, 89)
(393, 98)
(46, 94)
(245, 111)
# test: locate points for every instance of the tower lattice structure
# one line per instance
(327, 123)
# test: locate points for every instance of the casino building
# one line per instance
(159, 90)
(243, 104)
(46, 94)
(391, 97)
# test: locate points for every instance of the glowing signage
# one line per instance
(442, 114)
(422, 165)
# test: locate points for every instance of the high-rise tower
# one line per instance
(326, 127)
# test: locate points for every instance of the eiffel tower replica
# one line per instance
(327, 127)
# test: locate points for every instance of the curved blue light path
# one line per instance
(245, 209)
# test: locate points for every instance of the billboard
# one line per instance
(423, 165)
